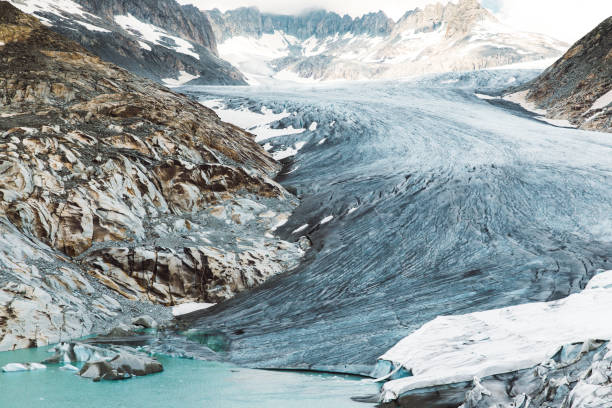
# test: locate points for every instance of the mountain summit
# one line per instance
(322, 45)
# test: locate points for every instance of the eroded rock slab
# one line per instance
(109, 179)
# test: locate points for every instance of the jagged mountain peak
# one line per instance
(322, 45)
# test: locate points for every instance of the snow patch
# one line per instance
(288, 152)
(182, 79)
(602, 102)
(144, 45)
(520, 98)
(185, 308)
(243, 118)
(155, 35)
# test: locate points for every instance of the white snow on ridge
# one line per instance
(452, 349)
(154, 34)
(60, 8)
(183, 78)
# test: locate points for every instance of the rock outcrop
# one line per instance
(112, 185)
(578, 87)
(121, 367)
(160, 40)
(320, 45)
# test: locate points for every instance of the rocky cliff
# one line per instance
(322, 45)
(160, 40)
(116, 193)
(578, 87)
(320, 24)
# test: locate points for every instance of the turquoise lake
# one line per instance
(184, 383)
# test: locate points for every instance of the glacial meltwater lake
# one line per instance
(185, 383)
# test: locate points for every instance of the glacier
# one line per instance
(437, 203)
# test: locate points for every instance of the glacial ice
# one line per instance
(456, 348)
(477, 215)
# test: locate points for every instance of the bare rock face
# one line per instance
(108, 178)
(120, 32)
(578, 87)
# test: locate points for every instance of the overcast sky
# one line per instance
(566, 20)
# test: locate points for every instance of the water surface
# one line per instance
(184, 383)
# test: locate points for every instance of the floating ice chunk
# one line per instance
(327, 219)
(313, 126)
(322, 141)
(300, 229)
(185, 308)
(15, 367)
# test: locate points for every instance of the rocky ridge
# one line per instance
(118, 194)
(160, 40)
(578, 86)
(323, 45)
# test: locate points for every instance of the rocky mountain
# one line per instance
(117, 194)
(322, 45)
(578, 86)
(160, 40)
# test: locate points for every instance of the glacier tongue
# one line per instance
(454, 349)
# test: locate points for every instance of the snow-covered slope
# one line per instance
(324, 46)
(160, 40)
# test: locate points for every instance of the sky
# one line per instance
(566, 20)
